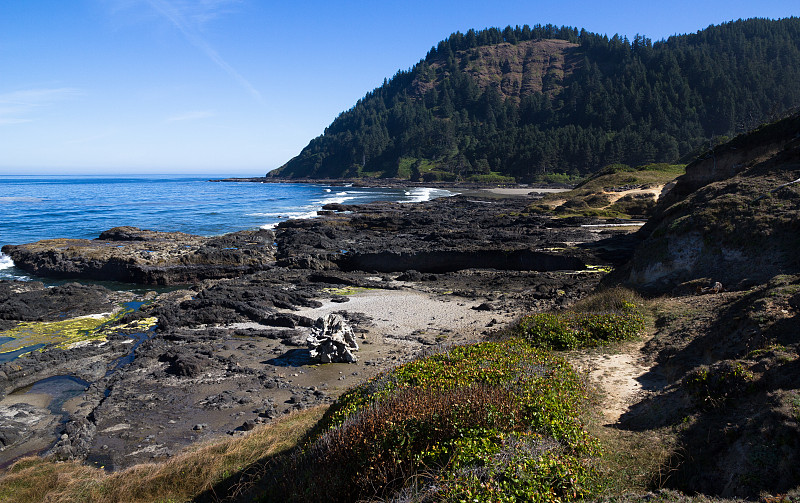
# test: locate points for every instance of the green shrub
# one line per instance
(572, 330)
(715, 386)
(492, 421)
(608, 316)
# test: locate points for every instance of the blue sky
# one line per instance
(240, 86)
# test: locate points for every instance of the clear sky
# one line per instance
(241, 86)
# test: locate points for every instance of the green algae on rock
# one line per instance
(67, 333)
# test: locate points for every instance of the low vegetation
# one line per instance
(716, 386)
(616, 191)
(611, 316)
(493, 421)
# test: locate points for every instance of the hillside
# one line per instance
(733, 217)
(616, 191)
(525, 102)
(726, 357)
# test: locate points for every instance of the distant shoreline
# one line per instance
(466, 188)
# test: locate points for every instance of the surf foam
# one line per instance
(5, 261)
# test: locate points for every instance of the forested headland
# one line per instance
(527, 103)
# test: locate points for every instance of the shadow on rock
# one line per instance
(292, 358)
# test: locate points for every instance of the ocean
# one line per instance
(45, 207)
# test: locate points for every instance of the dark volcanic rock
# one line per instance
(31, 301)
(133, 255)
(255, 298)
(438, 236)
(88, 362)
(184, 363)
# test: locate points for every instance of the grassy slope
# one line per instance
(182, 478)
(618, 191)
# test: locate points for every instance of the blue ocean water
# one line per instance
(46, 207)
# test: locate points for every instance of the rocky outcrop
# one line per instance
(31, 301)
(132, 255)
(734, 217)
(439, 236)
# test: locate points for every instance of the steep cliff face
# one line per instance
(514, 70)
(733, 217)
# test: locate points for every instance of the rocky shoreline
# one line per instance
(228, 349)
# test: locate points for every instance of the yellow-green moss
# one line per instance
(66, 333)
(346, 290)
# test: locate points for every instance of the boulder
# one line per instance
(332, 340)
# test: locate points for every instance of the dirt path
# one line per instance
(613, 197)
(623, 377)
(616, 196)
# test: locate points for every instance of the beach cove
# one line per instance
(225, 353)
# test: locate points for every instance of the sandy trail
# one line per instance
(655, 192)
(613, 197)
(623, 377)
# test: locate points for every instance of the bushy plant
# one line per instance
(572, 330)
(607, 316)
(493, 421)
(715, 386)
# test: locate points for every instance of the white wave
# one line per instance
(7, 270)
(327, 190)
(414, 195)
(283, 215)
(421, 194)
(339, 197)
(289, 216)
(5, 261)
(307, 211)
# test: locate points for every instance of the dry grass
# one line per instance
(633, 462)
(617, 191)
(179, 479)
(615, 299)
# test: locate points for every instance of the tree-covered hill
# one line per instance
(525, 102)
